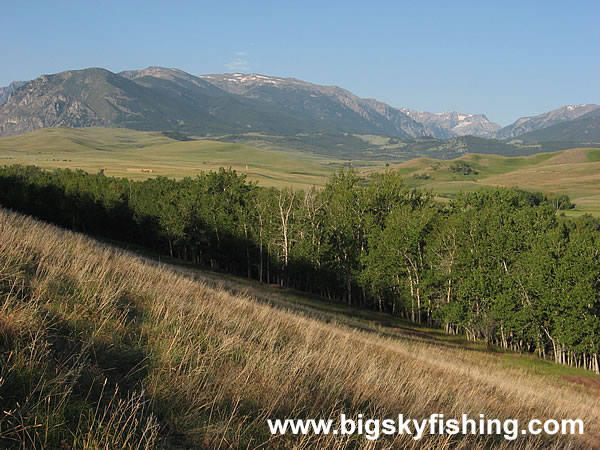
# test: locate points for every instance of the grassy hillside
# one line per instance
(574, 172)
(100, 348)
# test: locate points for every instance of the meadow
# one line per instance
(574, 172)
(104, 348)
(139, 155)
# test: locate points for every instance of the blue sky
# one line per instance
(503, 58)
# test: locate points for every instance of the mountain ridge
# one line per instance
(525, 125)
(295, 94)
(585, 128)
(158, 98)
(7, 90)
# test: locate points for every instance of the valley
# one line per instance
(275, 161)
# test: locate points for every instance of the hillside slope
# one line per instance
(585, 128)
(7, 90)
(326, 102)
(101, 348)
(574, 172)
(544, 120)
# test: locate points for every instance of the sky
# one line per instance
(506, 59)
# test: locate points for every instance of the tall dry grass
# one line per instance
(103, 349)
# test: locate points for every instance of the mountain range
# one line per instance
(528, 124)
(159, 98)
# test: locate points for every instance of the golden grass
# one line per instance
(124, 153)
(206, 368)
(574, 172)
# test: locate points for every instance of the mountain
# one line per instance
(170, 99)
(299, 96)
(585, 128)
(452, 124)
(173, 101)
(163, 99)
(90, 97)
(547, 119)
(326, 102)
(6, 91)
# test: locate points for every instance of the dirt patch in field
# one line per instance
(592, 383)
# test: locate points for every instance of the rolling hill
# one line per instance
(137, 154)
(574, 172)
(280, 161)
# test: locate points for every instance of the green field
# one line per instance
(574, 172)
(136, 155)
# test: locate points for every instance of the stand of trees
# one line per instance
(498, 264)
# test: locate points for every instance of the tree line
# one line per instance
(498, 265)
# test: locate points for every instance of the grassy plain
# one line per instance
(137, 155)
(102, 348)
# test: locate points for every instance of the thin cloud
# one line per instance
(239, 63)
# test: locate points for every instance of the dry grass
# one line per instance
(102, 349)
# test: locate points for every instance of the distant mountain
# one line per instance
(169, 99)
(6, 91)
(452, 124)
(556, 116)
(154, 99)
(300, 96)
(585, 128)
(93, 97)
(165, 99)
(326, 102)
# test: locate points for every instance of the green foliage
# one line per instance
(496, 263)
(176, 136)
(462, 168)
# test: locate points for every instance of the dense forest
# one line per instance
(499, 265)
